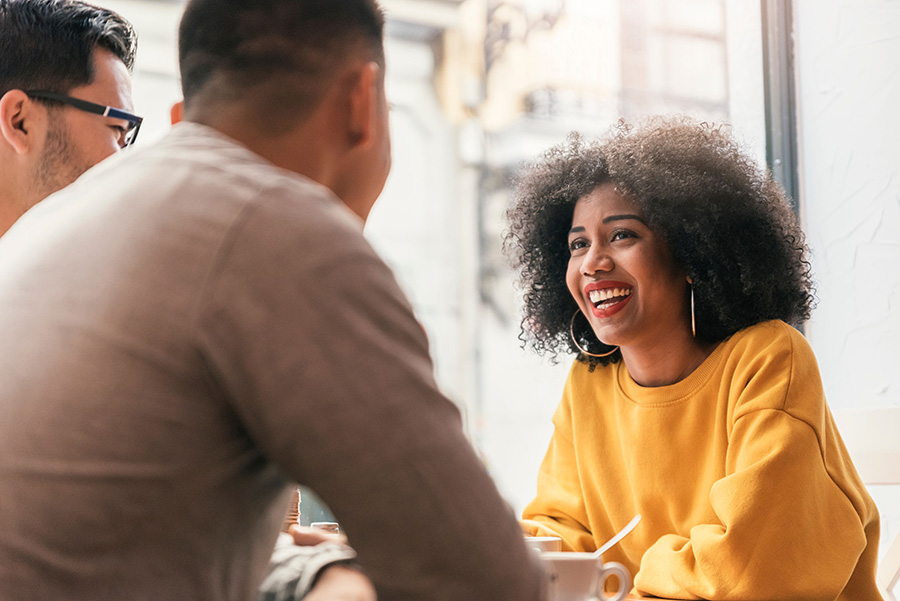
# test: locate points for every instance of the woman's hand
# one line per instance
(340, 583)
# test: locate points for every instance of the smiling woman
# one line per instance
(644, 310)
(671, 266)
(693, 185)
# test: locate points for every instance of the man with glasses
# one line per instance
(65, 96)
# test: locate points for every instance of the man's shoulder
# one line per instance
(196, 170)
(190, 194)
(224, 164)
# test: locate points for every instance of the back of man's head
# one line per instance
(49, 44)
(273, 58)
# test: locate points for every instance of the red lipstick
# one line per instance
(607, 297)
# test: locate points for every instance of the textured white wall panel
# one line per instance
(849, 99)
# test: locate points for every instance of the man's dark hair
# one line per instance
(278, 54)
(49, 44)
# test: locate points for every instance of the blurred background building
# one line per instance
(479, 86)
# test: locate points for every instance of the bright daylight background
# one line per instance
(480, 85)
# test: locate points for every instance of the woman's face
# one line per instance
(622, 275)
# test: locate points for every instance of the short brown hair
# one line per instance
(279, 54)
(49, 44)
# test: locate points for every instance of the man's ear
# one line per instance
(362, 123)
(176, 113)
(19, 121)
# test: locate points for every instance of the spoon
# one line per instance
(618, 536)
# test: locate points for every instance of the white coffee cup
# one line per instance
(544, 543)
(582, 577)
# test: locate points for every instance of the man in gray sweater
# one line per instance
(193, 326)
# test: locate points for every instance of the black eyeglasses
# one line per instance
(134, 122)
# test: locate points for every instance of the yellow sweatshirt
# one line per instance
(745, 487)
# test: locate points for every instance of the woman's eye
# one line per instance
(577, 244)
(622, 234)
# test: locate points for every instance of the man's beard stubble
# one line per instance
(59, 164)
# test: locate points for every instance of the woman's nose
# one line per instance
(596, 259)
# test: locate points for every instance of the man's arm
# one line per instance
(330, 373)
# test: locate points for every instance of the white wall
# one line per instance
(849, 99)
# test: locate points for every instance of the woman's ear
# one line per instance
(364, 104)
(20, 121)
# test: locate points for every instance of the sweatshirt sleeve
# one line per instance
(785, 529)
(558, 509)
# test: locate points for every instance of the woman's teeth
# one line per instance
(600, 296)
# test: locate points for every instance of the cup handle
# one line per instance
(607, 569)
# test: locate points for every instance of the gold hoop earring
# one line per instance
(693, 316)
(575, 340)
